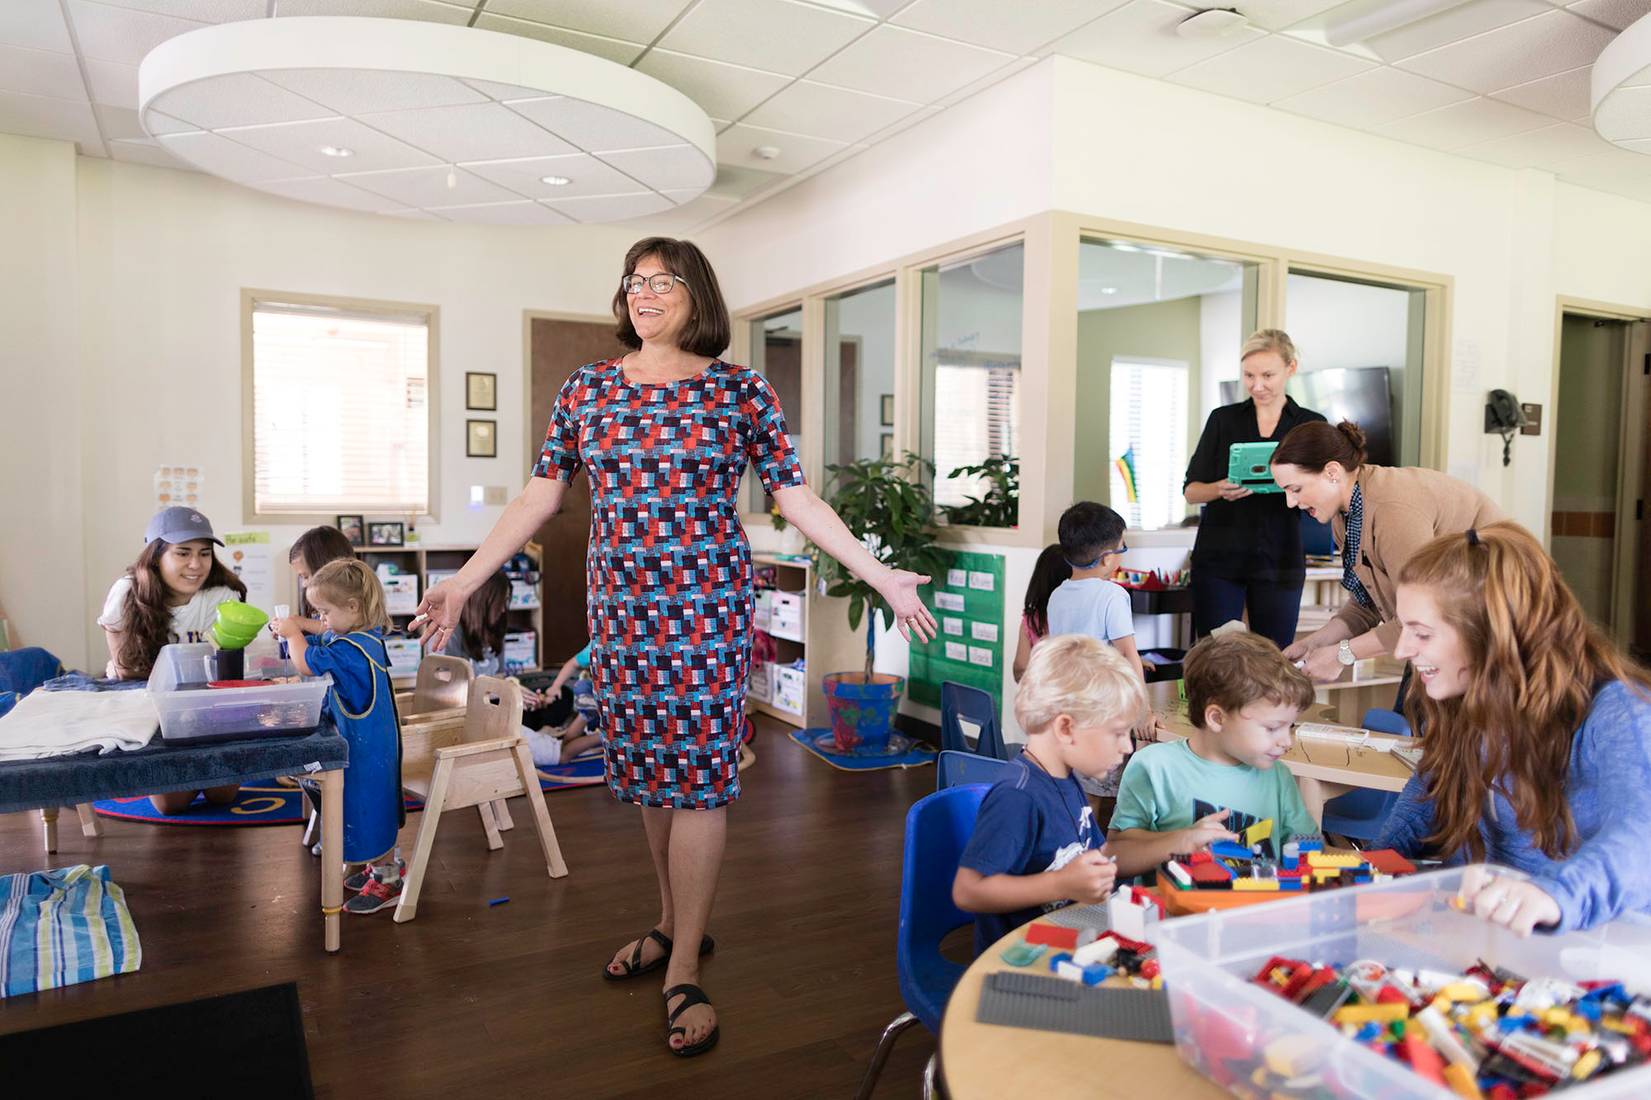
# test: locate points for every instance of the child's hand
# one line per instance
(1205, 831)
(289, 627)
(531, 699)
(1089, 878)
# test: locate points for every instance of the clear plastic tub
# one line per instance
(1225, 1024)
(192, 712)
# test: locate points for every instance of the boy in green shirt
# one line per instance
(1243, 698)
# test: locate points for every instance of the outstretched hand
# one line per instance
(899, 591)
(439, 612)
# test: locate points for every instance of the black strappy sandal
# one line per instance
(634, 966)
(691, 995)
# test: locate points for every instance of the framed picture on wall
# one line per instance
(481, 439)
(888, 445)
(354, 529)
(481, 390)
(386, 534)
(887, 419)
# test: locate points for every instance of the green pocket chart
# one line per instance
(967, 601)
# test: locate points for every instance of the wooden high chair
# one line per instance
(441, 691)
(483, 762)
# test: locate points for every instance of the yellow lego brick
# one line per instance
(1325, 874)
(1468, 992)
(1256, 885)
(1364, 1014)
(1586, 1065)
(1338, 860)
(1621, 1027)
(1461, 1082)
(1255, 834)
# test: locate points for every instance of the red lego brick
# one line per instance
(1389, 862)
(1054, 935)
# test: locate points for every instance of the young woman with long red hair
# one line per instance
(1537, 746)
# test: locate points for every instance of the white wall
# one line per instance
(160, 260)
(869, 315)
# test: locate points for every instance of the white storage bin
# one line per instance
(785, 618)
(400, 593)
(521, 651)
(760, 684)
(790, 688)
(524, 595)
(1217, 1010)
(192, 712)
(405, 655)
(763, 607)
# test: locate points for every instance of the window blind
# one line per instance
(1148, 433)
(976, 417)
(340, 410)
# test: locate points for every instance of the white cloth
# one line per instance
(190, 622)
(58, 723)
(546, 747)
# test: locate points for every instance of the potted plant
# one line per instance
(886, 505)
(1000, 507)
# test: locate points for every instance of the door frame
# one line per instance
(531, 430)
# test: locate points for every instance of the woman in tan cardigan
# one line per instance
(1380, 517)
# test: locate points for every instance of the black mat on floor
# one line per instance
(241, 1045)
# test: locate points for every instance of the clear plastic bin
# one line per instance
(1224, 1023)
(192, 712)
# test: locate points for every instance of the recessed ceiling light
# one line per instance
(555, 181)
(337, 151)
(1109, 290)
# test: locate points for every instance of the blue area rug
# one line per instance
(268, 803)
(905, 753)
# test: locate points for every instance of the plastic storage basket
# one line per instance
(1224, 1023)
(192, 712)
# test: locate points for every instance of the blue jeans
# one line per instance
(1273, 606)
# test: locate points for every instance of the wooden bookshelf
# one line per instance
(825, 644)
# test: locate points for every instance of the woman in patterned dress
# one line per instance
(664, 434)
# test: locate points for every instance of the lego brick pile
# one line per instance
(1303, 865)
(1486, 1034)
(1090, 956)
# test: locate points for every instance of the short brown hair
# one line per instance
(1235, 670)
(1314, 445)
(708, 330)
(351, 579)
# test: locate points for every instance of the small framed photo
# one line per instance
(389, 533)
(354, 528)
(481, 390)
(481, 439)
(888, 445)
(887, 419)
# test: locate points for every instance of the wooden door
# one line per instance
(556, 350)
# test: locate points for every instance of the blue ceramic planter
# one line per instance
(862, 714)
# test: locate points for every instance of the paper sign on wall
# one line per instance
(952, 626)
(179, 484)
(248, 557)
(981, 582)
(980, 655)
(957, 578)
(948, 601)
(957, 651)
(983, 632)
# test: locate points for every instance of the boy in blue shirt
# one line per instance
(1091, 602)
(1036, 844)
(1243, 698)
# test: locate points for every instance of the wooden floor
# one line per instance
(509, 1001)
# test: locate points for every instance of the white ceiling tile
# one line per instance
(922, 114)
(796, 152)
(1140, 38)
(692, 213)
(1275, 15)
(613, 49)
(1613, 13)
(302, 142)
(113, 82)
(908, 65)
(681, 167)
(119, 124)
(203, 11)
(1372, 98)
(1516, 54)
(735, 182)
(1270, 69)
(359, 91)
(46, 117)
(1551, 148)
(34, 25)
(40, 72)
(1563, 95)
(429, 11)
(412, 215)
(503, 213)
(996, 76)
(1018, 28)
(1458, 23)
(484, 131)
(238, 99)
(873, 9)
(775, 35)
(505, 92)
(586, 176)
(722, 90)
(147, 152)
(428, 187)
(327, 192)
(229, 159)
(613, 208)
(1465, 123)
(824, 111)
(1625, 116)
(158, 124)
(121, 34)
(593, 128)
(633, 20)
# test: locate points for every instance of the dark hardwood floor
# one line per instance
(509, 1001)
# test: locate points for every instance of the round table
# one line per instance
(987, 1060)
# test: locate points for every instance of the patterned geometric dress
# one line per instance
(669, 567)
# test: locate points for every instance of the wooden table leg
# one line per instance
(89, 824)
(48, 824)
(332, 854)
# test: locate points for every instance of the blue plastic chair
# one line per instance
(1361, 814)
(978, 709)
(954, 769)
(938, 828)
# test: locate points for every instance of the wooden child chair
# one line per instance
(481, 763)
(442, 690)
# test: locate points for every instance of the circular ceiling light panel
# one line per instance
(1621, 89)
(425, 120)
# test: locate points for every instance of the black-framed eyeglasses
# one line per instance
(662, 283)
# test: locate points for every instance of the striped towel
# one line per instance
(62, 927)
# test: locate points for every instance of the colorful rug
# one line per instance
(904, 752)
(61, 927)
(268, 803)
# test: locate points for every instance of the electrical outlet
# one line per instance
(494, 494)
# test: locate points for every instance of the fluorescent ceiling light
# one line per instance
(1364, 19)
